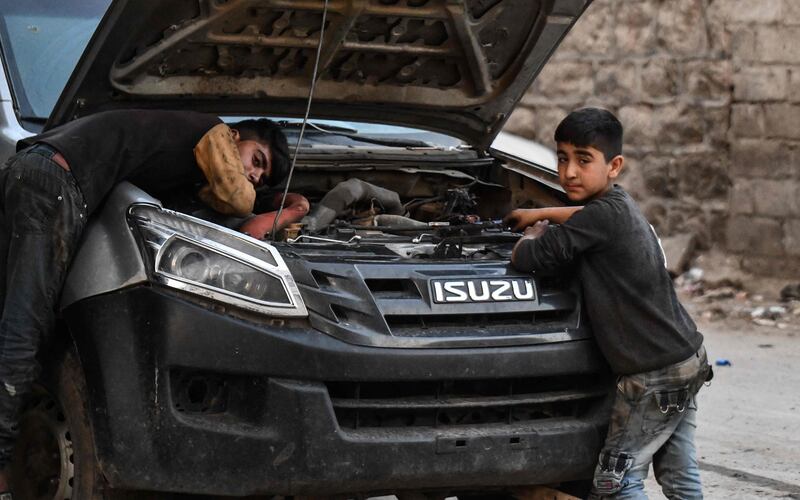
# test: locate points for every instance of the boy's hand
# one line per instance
(531, 233)
(521, 218)
(536, 230)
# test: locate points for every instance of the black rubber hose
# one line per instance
(339, 200)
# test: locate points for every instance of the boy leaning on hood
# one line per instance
(643, 331)
(59, 178)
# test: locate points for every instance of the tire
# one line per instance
(54, 458)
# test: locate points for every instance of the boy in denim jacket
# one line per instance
(645, 334)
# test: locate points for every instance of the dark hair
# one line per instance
(269, 133)
(593, 127)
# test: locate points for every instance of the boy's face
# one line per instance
(584, 172)
(256, 158)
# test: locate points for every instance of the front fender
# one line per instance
(108, 257)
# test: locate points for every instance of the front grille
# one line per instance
(390, 305)
(457, 403)
(476, 325)
(393, 289)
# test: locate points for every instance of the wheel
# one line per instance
(54, 458)
(42, 466)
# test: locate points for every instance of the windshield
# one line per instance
(42, 41)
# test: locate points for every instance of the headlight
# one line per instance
(199, 257)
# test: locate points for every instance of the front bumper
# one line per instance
(158, 367)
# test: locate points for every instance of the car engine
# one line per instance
(448, 215)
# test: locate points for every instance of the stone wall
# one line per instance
(709, 94)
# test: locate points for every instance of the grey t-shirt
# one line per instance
(637, 319)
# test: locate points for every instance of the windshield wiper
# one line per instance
(387, 141)
(332, 128)
(369, 139)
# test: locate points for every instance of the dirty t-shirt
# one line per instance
(156, 150)
(636, 317)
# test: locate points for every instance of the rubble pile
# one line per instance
(727, 298)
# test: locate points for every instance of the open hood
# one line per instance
(455, 66)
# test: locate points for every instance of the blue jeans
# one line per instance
(653, 420)
(42, 217)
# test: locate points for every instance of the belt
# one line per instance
(50, 152)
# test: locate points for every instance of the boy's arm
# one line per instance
(521, 218)
(295, 208)
(228, 190)
(546, 247)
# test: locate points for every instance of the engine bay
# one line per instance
(410, 212)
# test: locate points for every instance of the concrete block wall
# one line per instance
(709, 94)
